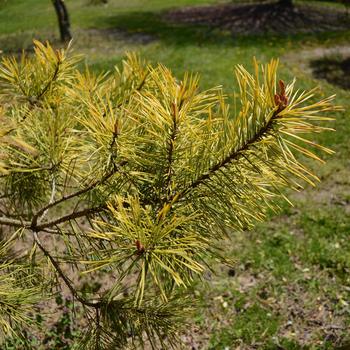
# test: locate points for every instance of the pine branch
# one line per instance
(234, 155)
(182, 146)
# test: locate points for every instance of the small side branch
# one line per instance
(69, 217)
(53, 79)
(14, 222)
(170, 150)
(52, 197)
(137, 89)
(231, 157)
(73, 195)
(27, 225)
(63, 276)
(35, 100)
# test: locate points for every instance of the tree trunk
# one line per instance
(63, 19)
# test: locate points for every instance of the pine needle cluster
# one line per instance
(136, 175)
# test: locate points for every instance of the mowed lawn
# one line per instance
(289, 284)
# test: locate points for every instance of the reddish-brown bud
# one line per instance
(281, 99)
(140, 248)
(277, 100)
(282, 87)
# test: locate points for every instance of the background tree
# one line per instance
(63, 20)
(347, 5)
(132, 179)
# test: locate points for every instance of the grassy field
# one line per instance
(290, 285)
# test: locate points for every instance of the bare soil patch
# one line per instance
(261, 18)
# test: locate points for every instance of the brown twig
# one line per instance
(75, 194)
(66, 280)
(68, 217)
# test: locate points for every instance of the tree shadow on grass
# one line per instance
(169, 33)
(334, 69)
(142, 28)
(183, 34)
(258, 18)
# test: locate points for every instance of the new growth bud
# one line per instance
(281, 99)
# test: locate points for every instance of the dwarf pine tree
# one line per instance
(131, 179)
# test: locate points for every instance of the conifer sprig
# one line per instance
(136, 175)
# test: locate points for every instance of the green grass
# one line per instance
(291, 283)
